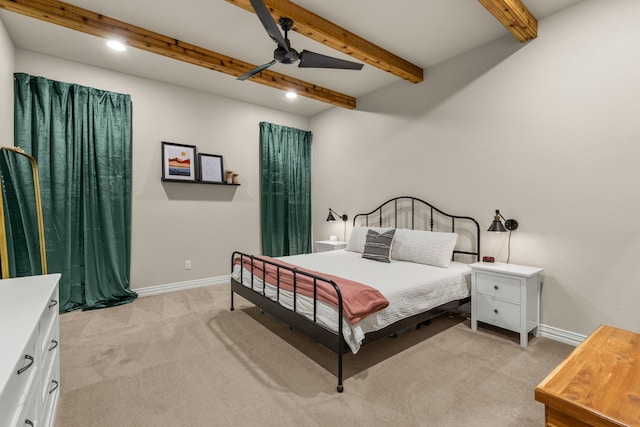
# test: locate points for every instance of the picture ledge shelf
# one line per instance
(197, 182)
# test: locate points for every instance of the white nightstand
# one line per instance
(506, 295)
(329, 245)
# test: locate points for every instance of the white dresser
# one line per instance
(506, 295)
(30, 354)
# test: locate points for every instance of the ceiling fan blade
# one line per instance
(256, 70)
(269, 24)
(315, 60)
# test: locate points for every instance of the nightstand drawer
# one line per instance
(501, 287)
(498, 313)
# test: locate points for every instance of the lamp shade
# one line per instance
(331, 217)
(497, 226)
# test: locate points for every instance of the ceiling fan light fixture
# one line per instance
(291, 95)
(116, 45)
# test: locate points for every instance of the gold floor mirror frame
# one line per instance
(4, 252)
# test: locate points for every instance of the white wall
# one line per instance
(174, 222)
(7, 63)
(544, 131)
(547, 132)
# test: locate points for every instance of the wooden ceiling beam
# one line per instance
(86, 21)
(515, 16)
(319, 29)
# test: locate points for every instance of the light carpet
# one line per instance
(184, 359)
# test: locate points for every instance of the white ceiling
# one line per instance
(423, 32)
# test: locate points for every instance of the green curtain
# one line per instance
(81, 139)
(285, 181)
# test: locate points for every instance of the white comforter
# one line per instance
(411, 288)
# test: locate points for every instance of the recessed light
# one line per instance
(292, 95)
(116, 45)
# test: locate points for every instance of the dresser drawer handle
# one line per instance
(56, 384)
(495, 287)
(30, 359)
(54, 345)
(53, 303)
(495, 310)
(28, 422)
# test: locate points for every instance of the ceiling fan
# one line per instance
(285, 54)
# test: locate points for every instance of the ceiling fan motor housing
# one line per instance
(285, 57)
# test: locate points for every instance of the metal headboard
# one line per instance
(416, 214)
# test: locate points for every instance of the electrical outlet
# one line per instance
(187, 264)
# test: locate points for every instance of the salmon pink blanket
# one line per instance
(358, 299)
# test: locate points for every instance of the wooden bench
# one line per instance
(597, 385)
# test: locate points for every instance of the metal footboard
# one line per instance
(309, 325)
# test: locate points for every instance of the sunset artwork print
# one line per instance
(179, 163)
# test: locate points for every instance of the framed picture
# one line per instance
(178, 162)
(210, 168)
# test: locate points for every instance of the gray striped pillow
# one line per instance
(378, 245)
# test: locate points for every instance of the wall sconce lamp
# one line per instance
(498, 227)
(333, 218)
(509, 225)
(344, 218)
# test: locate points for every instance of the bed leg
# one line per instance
(232, 308)
(340, 387)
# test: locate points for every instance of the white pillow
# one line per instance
(359, 237)
(424, 247)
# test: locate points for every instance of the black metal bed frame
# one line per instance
(335, 341)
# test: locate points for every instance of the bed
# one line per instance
(405, 263)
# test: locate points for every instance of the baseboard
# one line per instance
(181, 286)
(561, 335)
(546, 331)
